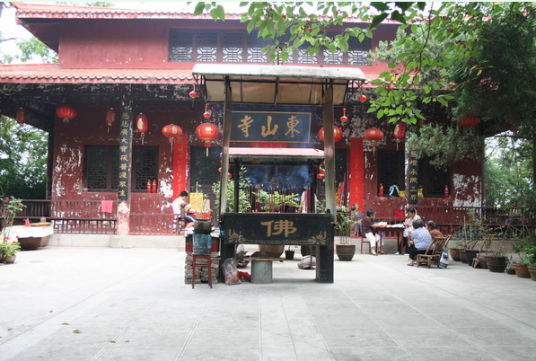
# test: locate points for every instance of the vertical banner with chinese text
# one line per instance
(125, 153)
(180, 161)
(356, 172)
(413, 177)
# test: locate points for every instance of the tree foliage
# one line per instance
(23, 155)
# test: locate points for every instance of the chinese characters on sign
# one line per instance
(282, 227)
(125, 136)
(413, 183)
(270, 127)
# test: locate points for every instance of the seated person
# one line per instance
(432, 228)
(419, 242)
(181, 208)
(408, 227)
(355, 216)
(368, 229)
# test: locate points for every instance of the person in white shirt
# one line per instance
(181, 207)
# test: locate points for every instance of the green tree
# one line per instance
(23, 155)
(444, 46)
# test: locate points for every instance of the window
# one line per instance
(391, 169)
(211, 46)
(102, 168)
(432, 179)
(203, 169)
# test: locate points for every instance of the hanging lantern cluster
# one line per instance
(470, 121)
(344, 118)
(374, 135)
(207, 132)
(66, 113)
(208, 113)
(21, 116)
(399, 133)
(110, 118)
(142, 125)
(362, 98)
(337, 134)
(193, 94)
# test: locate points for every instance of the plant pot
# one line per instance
(511, 271)
(522, 271)
(345, 252)
(289, 255)
(470, 255)
(30, 243)
(275, 250)
(455, 254)
(10, 259)
(496, 264)
(462, 256)
(532, 271)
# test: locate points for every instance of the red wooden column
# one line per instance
(180, 165)
(356, 172)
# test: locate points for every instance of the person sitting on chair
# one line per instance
(432, 228)
(181, 208)
(408, 227)
(368, 230)
(420, 240)
(355, 216)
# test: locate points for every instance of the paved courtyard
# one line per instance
(81, 303)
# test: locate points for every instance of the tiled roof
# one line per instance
(54, 74)
(45, 11)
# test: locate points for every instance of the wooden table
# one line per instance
(399, 232)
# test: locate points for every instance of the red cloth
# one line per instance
(106, 206)
(399, 214)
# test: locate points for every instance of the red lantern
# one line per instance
(193, 94)
(207, 114)
(319, 176)
(66, 113)
(470, 121)
(400, 132)
(321, 170)
(337, 134)
(373, 135)
(110, 118)
(229, 175)
(344, 118)
(172, 131)
(142, 125)
(21, 116)
(207, 132)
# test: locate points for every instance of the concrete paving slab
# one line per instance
(95, 303)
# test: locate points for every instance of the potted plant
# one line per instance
(523, 246)
(345, 249)
(496, 259)
(8, 250)
(471, 233)
(289, 253)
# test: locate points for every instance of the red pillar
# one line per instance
(356, 172)
(180, 165)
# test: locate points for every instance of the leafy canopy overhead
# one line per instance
(421, 70)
